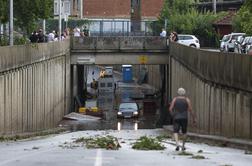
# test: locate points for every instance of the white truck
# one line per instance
(106, 81)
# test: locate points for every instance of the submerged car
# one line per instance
(128, 110)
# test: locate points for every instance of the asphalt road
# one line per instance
(59, 151)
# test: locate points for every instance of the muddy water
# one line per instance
(108, 102)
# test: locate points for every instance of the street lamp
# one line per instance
(11, 23)
(60, 5)
(214, 6)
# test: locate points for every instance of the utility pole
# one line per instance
(60, 6)
(44, 26)
(11, 23)
(81, 9)
(214, 6)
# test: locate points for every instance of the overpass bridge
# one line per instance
(119, 50)
(38, 82)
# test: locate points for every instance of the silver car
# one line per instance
(228, 41)
(128, 110)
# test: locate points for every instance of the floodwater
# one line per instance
(108, 102)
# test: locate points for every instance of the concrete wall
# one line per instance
(34, 86)
(208, 78)
(119, 43)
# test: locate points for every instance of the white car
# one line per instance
(228, 41)
(189, 40)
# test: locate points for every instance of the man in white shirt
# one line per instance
(77, 32)
(51, 36)
(163, 33)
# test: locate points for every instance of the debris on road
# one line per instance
(198, 157)
(146, 143)
(184, 153)
(107, 142)
(80, 117)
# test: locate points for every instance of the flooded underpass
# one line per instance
(143, 95)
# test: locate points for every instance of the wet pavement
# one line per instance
(108, 102)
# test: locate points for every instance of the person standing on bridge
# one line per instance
(179, 108)
(163, 33)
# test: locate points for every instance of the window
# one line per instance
(56, 11)
(67, 8)
(102, 85)
(188, 38)
(110, 84)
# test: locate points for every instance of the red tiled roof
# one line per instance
(227, 20)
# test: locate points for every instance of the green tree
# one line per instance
(28, 12)
(243, 20)
(3, 11)
(183, 17)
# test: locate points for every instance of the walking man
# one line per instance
(179, 108)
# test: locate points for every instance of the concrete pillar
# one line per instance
(80, 69)
(7, 113)
(74, 86)
(25, 100)
(20, 100)
(2, 104)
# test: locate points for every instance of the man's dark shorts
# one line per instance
(180, 123)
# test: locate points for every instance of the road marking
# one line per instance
(98, 161)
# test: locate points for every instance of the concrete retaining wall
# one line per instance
(35, 96)
(220, 109)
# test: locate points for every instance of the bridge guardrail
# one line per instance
(230, 70)
(17, 56)
(119, 43)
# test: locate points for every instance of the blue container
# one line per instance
(127, 73)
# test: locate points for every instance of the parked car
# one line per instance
(244, 44)
(128, 110)
(189, 40)
(237, 44)
(248, 45)
(227, 42)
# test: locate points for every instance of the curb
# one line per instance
(217, 140)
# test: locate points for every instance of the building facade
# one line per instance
(110, 9)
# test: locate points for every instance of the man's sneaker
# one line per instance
(177, 148)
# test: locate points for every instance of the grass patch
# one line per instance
(198, 157)
(107, 142)
(184, 153)
(145, 143)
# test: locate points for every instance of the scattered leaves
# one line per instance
(200, 151)
(184, 153)
(35, 148)
(198, 157)
(145, 143)
(107, 142)
(160, 138)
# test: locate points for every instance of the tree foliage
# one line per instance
(3, 11)
(183, 17)
(27, 12)
(243, 20)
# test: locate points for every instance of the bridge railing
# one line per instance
(119, 43)
(226, 69)
(16, 56)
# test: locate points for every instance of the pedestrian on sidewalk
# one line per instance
(179, 108)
